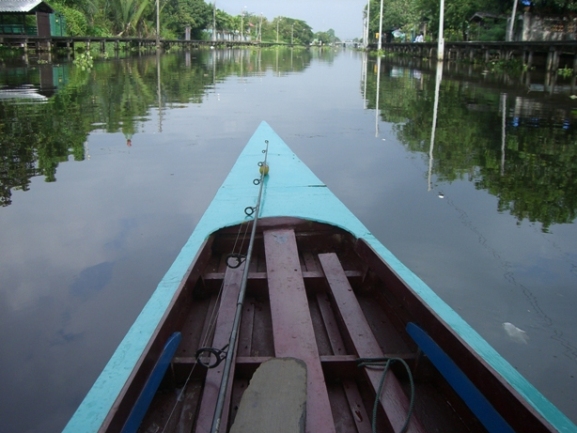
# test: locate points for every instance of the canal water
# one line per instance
(467, 174)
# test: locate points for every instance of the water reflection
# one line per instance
(528, 163)
(81, 255)
(115, 96)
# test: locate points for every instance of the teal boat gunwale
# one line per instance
(289, 178)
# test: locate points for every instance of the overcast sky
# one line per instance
(343, 16)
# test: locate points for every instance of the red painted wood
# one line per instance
(513, 407)
(356, 406)
(226, 312)
(393, 400)
(246, 328)
(292, 325)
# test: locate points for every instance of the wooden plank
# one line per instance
(356, 406)
(495, 386)
(292, 325)
(226, 312)
(246, 328)
(393, 400)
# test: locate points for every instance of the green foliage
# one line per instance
(565, 72)
(176, 15)
(328, 37)
(76, 22)
(36, 137)
(138, 18)
(84, 61)
(488, 32)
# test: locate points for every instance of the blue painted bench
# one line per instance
(477, 402)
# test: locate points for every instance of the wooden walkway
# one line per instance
(30, 42)
(548, 55)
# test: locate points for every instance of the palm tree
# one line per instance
(128, 15)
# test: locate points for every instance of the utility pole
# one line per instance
(214, 22)
(441, 41)
(512, 26)
(260, 29)
(292, 33)
(368, 30)
(277, 23)
(380, 42)
(157, 24)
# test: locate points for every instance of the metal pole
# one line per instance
(441, 41)
(380, 42)
(368, 30)
(277, 22)
(157, 24)
(512, 26)
(260, 29)
(214, 22)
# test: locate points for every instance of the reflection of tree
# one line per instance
(35, 138)
(546, 163)
(538, 181)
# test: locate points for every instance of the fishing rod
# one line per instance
(263, 169)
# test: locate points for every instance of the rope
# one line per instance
(387, 362)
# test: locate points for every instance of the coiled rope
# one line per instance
(386, 363)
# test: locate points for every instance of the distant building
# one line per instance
(485, 26)
(25, 17)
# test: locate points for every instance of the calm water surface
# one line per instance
(469, 177)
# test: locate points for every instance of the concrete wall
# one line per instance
(537, 28)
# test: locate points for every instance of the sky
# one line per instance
(343, 16)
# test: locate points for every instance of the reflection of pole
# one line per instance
(441, 41)
(214, 68)
(377, 98)
(158, 85)
(380, 43)
(434, 127)
(503, 130)
(364, 74)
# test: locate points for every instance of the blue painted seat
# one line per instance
(477, 402)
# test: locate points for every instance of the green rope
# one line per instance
(387, 362)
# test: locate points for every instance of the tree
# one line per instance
(128, 16)
(397, 14)
(178, 14)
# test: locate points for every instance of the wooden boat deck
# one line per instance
(307, 297)
(314, 291)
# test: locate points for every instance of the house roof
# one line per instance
(481, 16)
(24, 6)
